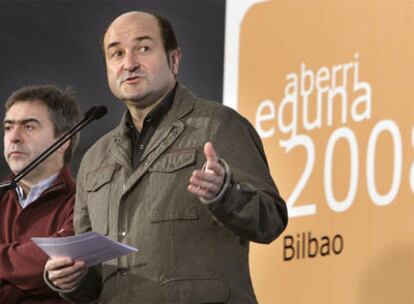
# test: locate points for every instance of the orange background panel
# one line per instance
(376, 40)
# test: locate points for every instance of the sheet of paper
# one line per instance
(90, 247)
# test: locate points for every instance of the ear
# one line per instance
(174, 58)
(64, 147)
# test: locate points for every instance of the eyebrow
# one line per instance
(116, 43)
(21, 121)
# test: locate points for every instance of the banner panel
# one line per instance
(329, 87)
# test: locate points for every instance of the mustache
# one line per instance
(128, 75)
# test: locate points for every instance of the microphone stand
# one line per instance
(92, 114)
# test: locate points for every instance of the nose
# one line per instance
(131, 62)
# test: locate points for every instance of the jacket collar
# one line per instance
(64, 180)
(64, 175)
(182, 104)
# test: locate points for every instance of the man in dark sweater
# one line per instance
(42, 203)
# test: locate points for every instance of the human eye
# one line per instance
(117, 53)
(7, 127)
(29, 127)
(144, 49)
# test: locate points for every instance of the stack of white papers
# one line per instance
(90, 247)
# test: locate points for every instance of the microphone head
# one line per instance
(89, 113)
(96, 112)
(99, 111)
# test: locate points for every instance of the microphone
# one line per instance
(96, 112)
(93, 113)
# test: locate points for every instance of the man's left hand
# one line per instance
(207, 182)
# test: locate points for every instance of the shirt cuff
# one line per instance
(226, 185)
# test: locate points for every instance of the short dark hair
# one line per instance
(169, 39)
(63, 109)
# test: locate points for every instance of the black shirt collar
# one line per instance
(156, 114)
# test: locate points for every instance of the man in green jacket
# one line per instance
(183, 179)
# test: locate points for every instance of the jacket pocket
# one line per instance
(170, 199)
(195, 291)
(173, 161)
(98, 184)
